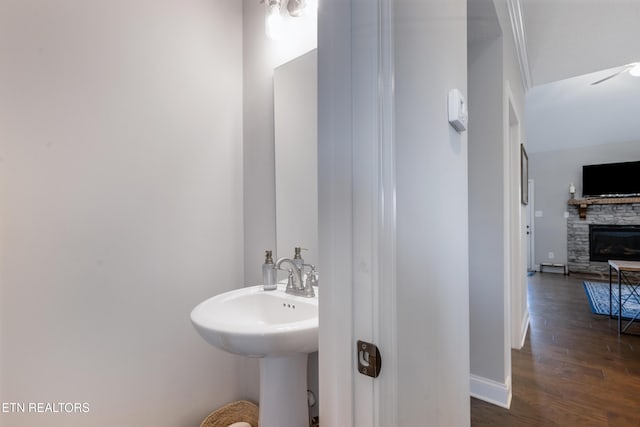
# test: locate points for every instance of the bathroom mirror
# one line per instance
(295, 126)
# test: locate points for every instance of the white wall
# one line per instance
(486, 209)
(432, 215)
(496, 272)
(120, 206)
(553, 172)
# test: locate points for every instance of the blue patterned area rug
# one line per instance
(598, 296)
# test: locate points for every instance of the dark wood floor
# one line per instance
(573, 369)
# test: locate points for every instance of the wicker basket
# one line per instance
(234, 412)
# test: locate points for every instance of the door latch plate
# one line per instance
(369, 359)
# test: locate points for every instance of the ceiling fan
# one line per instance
(633, 69)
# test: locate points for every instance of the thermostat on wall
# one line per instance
(458, 115)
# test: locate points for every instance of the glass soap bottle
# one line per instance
(269, 273)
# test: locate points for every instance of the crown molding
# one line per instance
(520, 39)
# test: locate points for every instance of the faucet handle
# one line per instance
(312, 280)
(290, 282)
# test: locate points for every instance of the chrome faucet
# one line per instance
(294, 284)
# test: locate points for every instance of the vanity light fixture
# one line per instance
(635, 71)
(274, 21)
(296, 7)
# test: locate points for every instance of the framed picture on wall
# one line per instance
(524, 176)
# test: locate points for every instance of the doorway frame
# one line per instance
(357, 229)
(515, 256)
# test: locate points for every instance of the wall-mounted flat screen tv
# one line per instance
(611, 180)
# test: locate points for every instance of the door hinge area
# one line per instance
(369, 359)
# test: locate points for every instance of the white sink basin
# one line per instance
(258, 323)
(275, 326)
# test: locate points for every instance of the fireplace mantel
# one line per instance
(583, 204)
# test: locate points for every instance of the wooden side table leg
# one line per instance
(619, 301)
(610, 297)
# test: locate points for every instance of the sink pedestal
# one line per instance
(279, 328)
(283, 391)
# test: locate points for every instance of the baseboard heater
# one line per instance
(554, 265)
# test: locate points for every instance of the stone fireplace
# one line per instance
(602, 229)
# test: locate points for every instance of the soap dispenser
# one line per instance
(297, 258)
(269, 273)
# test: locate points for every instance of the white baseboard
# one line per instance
(491, 391)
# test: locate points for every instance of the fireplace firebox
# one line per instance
(620, 242)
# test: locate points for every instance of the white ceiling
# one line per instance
(569, 38)
(572, 113)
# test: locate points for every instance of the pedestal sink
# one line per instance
(277, 327)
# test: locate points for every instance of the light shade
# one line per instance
(274, 23)
(635, 71)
